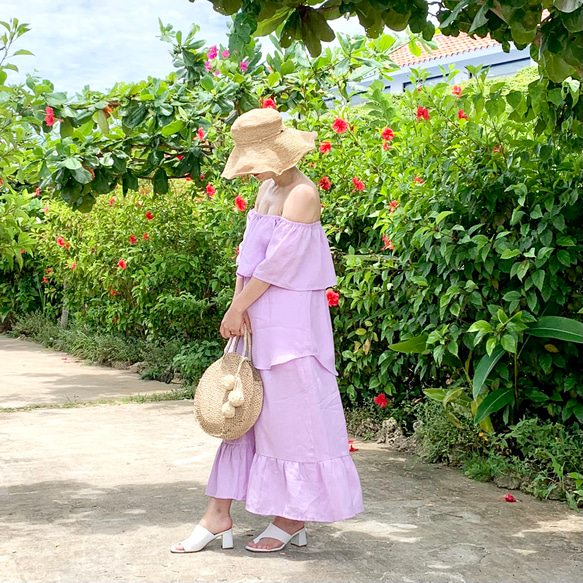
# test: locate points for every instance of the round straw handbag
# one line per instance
(229, 395)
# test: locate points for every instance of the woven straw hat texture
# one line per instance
(264, 144)
(211, 395)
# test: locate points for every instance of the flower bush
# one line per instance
(453, 214)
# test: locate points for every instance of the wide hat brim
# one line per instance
(276, 154)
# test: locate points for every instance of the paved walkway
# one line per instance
(95, 494)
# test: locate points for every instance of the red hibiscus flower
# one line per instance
(113, 292)
(22, 251)
(332, 297)
(202, 176)
(200, 133)
(50, 116)
(509, 498)
(358, 183)
(350, 443)
(422, 113)
(146, 236)
(268, 102)
(393, 206)
(37, 191)
(339, 125)
(115, 319)
(73, 265)
(121, 263)
(60, 241)
(388, 243)
(461, 114)
(418, 180)
(111, 201)
(497, 149)
(133, 239)
(457, 90)
(237, 249)
(49, 270)
(387, 134)
(67, 246)
(187, 177)
(386, 145)
(45, 280)
(325, 183)
(149, 216)
(179, 157)
(240, 202)
(210, 189)
(381, 400)
(325, 147)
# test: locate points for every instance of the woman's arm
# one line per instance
(253, 290)
(238, 286)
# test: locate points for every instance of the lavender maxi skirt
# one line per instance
(295, 461)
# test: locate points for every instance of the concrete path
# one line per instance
(94, 494)
(34, 375)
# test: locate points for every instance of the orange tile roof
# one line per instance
(447, 46)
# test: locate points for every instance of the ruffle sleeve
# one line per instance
(297, 257)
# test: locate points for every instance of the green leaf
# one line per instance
(417, 345)
(509, 253)
(160, 181)
(83, 176)
(135, 114)
(129, 182)
(508, 342)
(568, 5)
(172, 128)
(72, 163)
(480, 326)
(436, 394)
(538, 277)
(557, 327)
(102, 122)
(494, 402)
(442, 216)
(484, 368)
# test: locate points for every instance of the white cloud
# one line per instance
(100, 42)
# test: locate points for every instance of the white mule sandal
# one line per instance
(201, 537)
(298, 539)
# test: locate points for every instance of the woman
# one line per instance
(295, 462)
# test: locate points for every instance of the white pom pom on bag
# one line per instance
(229, 395)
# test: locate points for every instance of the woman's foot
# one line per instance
(290, 526)
(214, 524)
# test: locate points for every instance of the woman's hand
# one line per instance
(234, 322)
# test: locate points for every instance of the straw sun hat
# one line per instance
(264, 144)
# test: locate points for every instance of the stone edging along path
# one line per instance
(99, 493)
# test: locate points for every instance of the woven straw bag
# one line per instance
(229, 395)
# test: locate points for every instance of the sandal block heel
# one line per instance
(227, 539)
(299, 539)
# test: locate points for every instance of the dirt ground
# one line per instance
(98, 493)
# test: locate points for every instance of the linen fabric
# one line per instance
(295, 461)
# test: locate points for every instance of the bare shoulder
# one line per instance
(302, 204)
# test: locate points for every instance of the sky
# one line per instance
(99, 42)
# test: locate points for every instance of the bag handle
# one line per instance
(246, 343)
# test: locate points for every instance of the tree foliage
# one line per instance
(552, 28)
